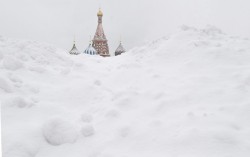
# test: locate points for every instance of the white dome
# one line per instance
(90, 50)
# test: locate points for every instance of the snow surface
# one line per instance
(186, 95)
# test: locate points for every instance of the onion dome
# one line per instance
(119, 50)
(90, 50)
(99, 12)
(74, 50)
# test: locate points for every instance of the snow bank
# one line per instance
(184, 95)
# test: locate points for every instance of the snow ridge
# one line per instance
(185, 95)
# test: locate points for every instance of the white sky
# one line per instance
(137, 21)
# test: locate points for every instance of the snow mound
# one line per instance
(182, 95)
(17, 53)
(58, 131)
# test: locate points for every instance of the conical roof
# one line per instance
(90, 50)
(74, 50)
(120, 49)
(99, 35)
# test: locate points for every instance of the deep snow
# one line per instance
(186, 95)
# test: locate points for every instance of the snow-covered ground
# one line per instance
(186, 95)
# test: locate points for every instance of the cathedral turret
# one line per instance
(74, 50)
(90, 50)
(100, 42)
(120, 49)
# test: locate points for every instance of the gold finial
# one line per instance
(120, 39)
(74, 39)
(100, 12)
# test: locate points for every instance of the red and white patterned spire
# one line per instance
(100, 42)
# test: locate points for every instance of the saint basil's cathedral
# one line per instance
(99, 44)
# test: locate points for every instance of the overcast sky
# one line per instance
(137, 21)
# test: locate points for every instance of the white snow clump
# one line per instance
(58, 131)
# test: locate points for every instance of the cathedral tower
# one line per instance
(100, 42)
(74, 50)
(120, 49)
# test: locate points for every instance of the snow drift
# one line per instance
(186, 95)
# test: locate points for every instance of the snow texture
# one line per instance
(88, 130)
(17, 102)
(5, 86)
(12, 64)
(184, 95)
(58, 131)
